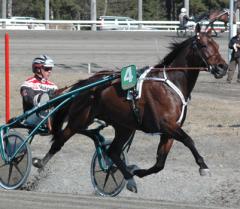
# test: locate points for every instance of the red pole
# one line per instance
(7, 79)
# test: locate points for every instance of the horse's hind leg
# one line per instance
(58, 141)
(181, 136)
(78, 120)
(114, 152)
(164, 147)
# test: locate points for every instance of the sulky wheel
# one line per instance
(14, 174)
(107, 182)
(181, 32)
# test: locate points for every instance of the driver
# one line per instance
(184, 19)
(37, 89)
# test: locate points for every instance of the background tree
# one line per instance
(168, 4)
(65, 9)
(80, 9)
(28, 8)
(154, 10)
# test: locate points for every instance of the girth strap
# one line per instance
(132, 95)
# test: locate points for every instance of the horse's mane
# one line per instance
(176, 48)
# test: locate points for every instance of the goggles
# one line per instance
(47, 69)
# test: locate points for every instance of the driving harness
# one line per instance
(135, 93)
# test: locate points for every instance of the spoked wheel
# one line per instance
(181, 32)
(107, 182)
(14, 174)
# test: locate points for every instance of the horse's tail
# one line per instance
(59, 118)
(60, 115)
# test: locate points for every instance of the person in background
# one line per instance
(38, 89)
(234, 44)
(184, 19)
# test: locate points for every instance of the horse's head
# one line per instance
(208, 51)
(221, 15)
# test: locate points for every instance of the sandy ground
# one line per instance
(213, 123)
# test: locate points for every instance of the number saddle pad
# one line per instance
(128, 77)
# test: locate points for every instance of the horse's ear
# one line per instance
(197, 28)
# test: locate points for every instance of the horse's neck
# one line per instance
(220, 16)
(184, 80)
(185, 57)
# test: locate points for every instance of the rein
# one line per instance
(180, 68)
(153, 69)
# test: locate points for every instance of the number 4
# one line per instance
(128, 75)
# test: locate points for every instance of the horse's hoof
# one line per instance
(36, 162)
(132, 168)
(131, 185)
(204, 172)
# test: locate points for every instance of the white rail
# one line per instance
(9, 24)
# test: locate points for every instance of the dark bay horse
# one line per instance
(217, 15)
(222, 16)
(162, 105)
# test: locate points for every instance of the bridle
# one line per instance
(198, 46)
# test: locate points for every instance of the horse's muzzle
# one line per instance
(219, 70)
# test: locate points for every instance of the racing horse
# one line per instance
(217, 15)
(162, 103)
(222, 16)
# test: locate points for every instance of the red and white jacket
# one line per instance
(34, 86)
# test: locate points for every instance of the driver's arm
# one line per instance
(186, 17)
(28, 95)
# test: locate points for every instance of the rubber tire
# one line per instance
(25, 158)
(181, 32)
(96, 184)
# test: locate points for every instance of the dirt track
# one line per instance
(212, 121)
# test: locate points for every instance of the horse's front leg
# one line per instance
(114, 152)
(164, 147)
(183, 137)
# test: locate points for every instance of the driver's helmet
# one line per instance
(42, 61)
(183, 10)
